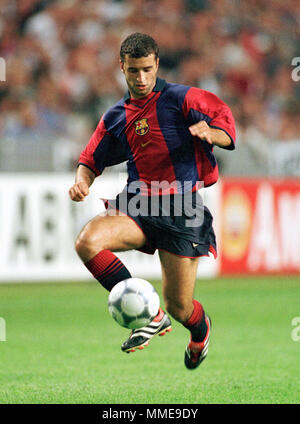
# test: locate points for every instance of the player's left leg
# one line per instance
(179, 277)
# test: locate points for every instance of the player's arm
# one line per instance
(211, 135)
(209, 118)
(91, 163)
(83, 180)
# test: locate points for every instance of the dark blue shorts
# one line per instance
(182, 226)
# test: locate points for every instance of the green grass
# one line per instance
(63, 347)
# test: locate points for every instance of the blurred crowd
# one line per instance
(62, 56)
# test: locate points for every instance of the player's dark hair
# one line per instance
(138, 45)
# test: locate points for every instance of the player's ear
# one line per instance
(121, 65)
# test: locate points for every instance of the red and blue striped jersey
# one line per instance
(152, 135)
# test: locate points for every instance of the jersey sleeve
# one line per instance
(102, 150)
(201, 105)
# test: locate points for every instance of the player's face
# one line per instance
(140, 74)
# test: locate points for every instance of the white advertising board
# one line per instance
(39, 225)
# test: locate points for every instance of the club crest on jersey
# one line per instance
(141, 127)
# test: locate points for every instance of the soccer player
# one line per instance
(166, 132)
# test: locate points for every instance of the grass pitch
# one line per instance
(62, 347)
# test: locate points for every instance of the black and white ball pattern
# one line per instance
(133, 303)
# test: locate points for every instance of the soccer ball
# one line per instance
(133, 303)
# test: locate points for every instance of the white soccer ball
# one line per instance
(133, 303)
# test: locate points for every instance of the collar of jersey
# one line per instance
(159, 86)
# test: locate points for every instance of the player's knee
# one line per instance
(86, 246)
(82, 245)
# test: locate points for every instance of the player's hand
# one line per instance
(79, 191)
(202, 130)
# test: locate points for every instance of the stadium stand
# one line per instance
(62, 72)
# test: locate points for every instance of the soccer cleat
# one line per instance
(140, 337)
(196, 352)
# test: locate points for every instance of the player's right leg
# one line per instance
(102, 235)
(95, 243)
